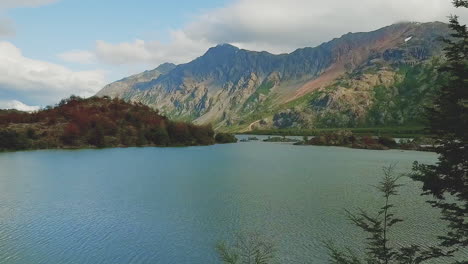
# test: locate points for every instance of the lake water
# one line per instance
(171, 205)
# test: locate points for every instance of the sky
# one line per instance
(51, 49)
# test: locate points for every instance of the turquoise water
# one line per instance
(171, 205)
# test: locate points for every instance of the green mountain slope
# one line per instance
(375, 78)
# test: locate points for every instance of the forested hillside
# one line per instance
(96, 122)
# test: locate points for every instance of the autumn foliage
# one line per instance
(98, 122)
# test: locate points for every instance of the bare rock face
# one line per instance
(357, 79)
(125, 87)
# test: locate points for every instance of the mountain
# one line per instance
(374, 78)
(124, 86)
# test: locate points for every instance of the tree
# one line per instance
(71, 133)
(447, 181)
(96, 137)
(378, 226)
(12, 140)
(249, 248)
(224, 138)
(204, 135)
(97, 121)
(158, 136)
(31, 133)
(141, 138)
(461, 3)
(180, 133)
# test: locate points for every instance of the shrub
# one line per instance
(388, 142)
(224, 138)
(366, 140)
(204, 135)
(12, 140)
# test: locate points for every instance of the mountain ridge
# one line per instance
(231, 87)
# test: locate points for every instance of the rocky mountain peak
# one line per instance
(229, 86)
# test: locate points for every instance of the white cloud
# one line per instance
(15, 104)
(78, 56)
(44, 81)
(282, 26)
(179, 50)
(276, 26)
(126, 52)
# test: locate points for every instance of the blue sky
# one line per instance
(50, 49)
(47, 30)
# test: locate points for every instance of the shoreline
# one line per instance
(348, 140)
(396, 132)
(91, 147)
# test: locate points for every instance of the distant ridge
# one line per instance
(340, 83)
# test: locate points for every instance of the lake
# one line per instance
(171, 205)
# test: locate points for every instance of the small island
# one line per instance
(346, 138)
(282, 139)
(99, 123)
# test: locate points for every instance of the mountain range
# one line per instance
(379, 78)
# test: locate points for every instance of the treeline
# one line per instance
(96, 122)
(345, 138)
(397, 131)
